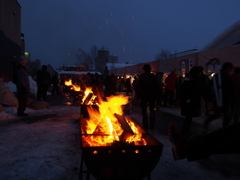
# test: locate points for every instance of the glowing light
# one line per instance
(106, 21)
(95, 152)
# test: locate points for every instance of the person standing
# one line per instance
(227, 96)
(23, 87)
(43, 83)
(134, 85)
(128, 85)
(191, 98)
(236, 88)
(146, 89)
(170, 83)
(160, 86)
(55, 82)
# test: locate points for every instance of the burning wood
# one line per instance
(107, 125)
(88, 96)
(124, 123)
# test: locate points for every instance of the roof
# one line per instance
(78, 72)
(229, 37)
(111, 66)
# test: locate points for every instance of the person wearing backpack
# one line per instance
(23, 87)
(146, 90)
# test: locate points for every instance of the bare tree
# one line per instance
(83, 59)
(93, 53)
(164, 54)
(87, 59)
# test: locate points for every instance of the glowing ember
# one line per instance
(103, 128)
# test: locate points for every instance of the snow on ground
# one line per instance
(44, 145)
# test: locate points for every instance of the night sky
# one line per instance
(133, 30)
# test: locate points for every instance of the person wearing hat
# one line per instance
(146, 90)
(23, 87)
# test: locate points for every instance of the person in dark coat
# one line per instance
(55, 81)
(191, 98)
(236, 86)
(227, 96)
(160, 86)
(146, 90)
(23, 87)
(128, 85)
(43, 83)
(170, 85)
(134, 85)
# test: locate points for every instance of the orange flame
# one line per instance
(76, 87)
(87, 91)
(104, 128)
(68, 83)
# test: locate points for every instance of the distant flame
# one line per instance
(69, 82)
(76, 88)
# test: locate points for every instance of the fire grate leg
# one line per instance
(149, 176)
(83, 171)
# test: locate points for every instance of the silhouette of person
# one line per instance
(23, 87)
(43, 83)
(227, 96)
(236, 87)
(55, 81)
(146, 89)
(191, 98)
(170, 83)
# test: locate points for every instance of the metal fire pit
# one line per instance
(119, 161)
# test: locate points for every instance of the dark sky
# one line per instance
(133, 30)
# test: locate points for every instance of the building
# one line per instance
(102, 59)
(229, 37)
(11, 39)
